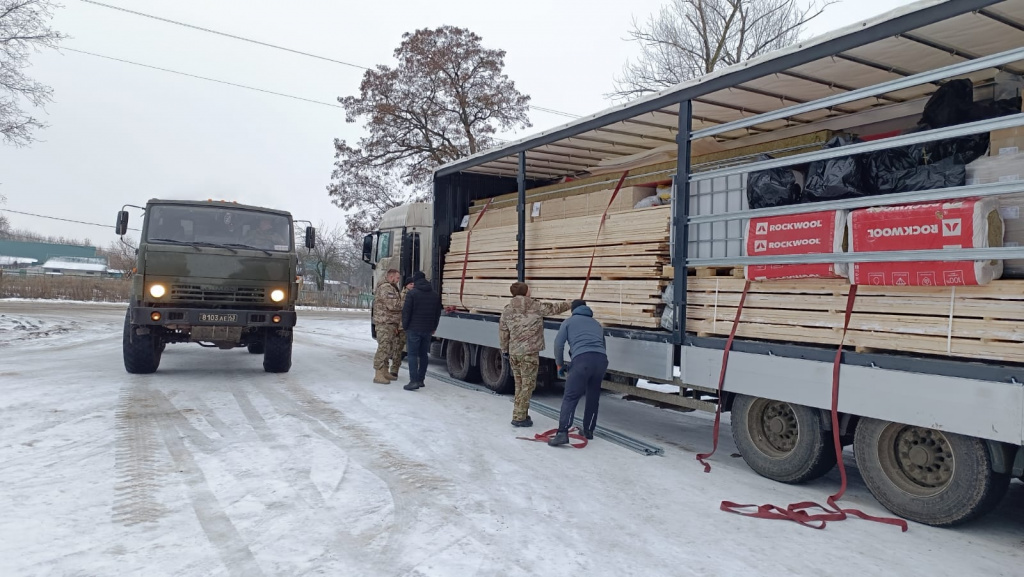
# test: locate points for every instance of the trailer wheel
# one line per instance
(458, 359)
(784, 442)
(495, 373)
(925, 475)
(141, 353)
(277, 351)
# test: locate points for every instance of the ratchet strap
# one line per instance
(600, 226)
(465, 257)
(548, 435)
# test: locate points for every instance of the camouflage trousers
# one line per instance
(524, 370)
(387, 342)
(396, 353)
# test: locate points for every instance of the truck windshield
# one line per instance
(219, 226)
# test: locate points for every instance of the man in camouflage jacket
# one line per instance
(396, 354)
(387, 318)
(521, 332)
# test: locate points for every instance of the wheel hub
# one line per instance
(778, 426)
(924, 456)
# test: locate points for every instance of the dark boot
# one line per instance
(527, 422)
(560, 438)
(588, 435)
(412, 386)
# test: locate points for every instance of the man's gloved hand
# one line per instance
(504, 356)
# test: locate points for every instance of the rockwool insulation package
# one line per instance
(968, 223)
(1004, 168)
(807, 233)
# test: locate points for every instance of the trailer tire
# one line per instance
(141, 353)
(784, 442)
(459, 360)
(277, 352)
(931, 477)
(495, 372)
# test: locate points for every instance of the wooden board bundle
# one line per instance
(979, 322)
(626, 281)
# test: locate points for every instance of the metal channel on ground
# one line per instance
(609, 435)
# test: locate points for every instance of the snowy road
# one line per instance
(213, 467)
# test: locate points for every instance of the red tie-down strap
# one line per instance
(604, 216)
(799, 512)
(702, 457)
(548, 435)
(465, 257)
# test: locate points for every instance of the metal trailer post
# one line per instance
(521, 205)
(680, 220)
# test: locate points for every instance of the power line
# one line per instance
(225, 34)
(320, 102)
(274, 46)
(60, 219)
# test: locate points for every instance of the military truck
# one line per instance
(216, 273)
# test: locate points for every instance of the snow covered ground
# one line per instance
(213, 467)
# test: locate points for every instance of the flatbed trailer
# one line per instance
(938, 439)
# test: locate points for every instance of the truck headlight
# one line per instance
(157, 291)
(277, 295)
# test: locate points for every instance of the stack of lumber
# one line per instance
(584, 204)
(978, 322)
(626, 281)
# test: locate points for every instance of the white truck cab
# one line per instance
(402, 242)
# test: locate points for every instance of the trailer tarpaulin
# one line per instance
(968, 223)
(807, 233)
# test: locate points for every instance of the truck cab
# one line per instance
(216, 273)
(402, 242)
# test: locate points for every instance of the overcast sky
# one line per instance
(121, 134)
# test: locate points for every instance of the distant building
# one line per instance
(76, 266)
(44, 251)
(15, 262)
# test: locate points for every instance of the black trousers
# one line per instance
(585, 376)
(418, 345)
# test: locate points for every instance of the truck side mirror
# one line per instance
(368, 249)
(310, 237)
(121, 228)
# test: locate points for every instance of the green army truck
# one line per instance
(216, 273)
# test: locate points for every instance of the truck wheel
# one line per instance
(928, 476)
(547, 373)
(495, 373)
(256, 348)
(782, 441)
(277, 352)
(141, 352)
(458, 361)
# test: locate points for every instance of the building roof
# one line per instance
(9, 260)
(912, 39)
(42, 251)
(79, 264)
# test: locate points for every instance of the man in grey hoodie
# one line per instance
(586, 371)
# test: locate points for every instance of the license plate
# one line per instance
(207, 318)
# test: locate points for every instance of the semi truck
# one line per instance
(216, 273)
(937, 439)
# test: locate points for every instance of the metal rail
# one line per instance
(951, 193)
(957, 131)
(958, 69)
(934, 255)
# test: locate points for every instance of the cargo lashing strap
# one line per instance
(600, 227)
(798, 512)
(465, 257)
(548, 435)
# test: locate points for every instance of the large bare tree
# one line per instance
(690, 38)
(446, 98)
(122, 254)
(24, 29)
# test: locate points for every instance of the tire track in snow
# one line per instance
(135, 460)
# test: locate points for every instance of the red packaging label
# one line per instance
(808, 233)
(918, 227)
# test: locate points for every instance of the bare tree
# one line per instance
(24, 29)
(328, 257)
(445, 99)
(5, 223)
(690, 38)
(121, 255)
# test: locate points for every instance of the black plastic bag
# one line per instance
(949, 105)
(994, 109)
(837, 178)
(893, 174)
(774, 187)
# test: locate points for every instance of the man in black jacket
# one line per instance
(420, 315)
